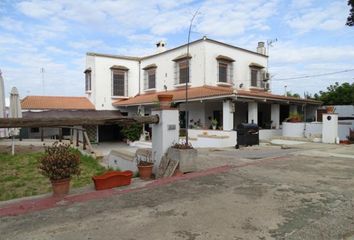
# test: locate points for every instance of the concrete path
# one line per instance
(284, 195)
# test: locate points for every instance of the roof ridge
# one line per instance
(55, 96)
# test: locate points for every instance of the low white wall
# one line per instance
(293, 129)
(267, 134)
(343, 129)
(313, 129)
(212, 138)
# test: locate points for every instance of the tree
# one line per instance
(350, 19)
(290, 94)
(337, 94)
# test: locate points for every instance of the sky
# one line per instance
(55, 35)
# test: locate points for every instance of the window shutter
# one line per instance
(231, 73)
(176, 73)
(126, 84)
(189, 71)
(217, 72)
(146, 80)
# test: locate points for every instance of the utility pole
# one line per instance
(187, 81)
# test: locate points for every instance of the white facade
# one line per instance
(203, 70)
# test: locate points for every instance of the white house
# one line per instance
(226, 83)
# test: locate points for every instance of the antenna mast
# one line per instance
(42, 73)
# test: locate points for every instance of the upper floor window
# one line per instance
(225, 69)
(88, 79)
(182, 69)
(256, 75)
(119, 81)
(150, 76)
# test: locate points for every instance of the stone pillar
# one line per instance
(165, 133)
(275, 115)
(329, 128)
(253, 112)
(228, 115)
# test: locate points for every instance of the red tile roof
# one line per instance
(207, 92)
(56, 102)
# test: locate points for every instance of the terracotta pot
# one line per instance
(112, 179)
(344, 142)
(145, 172)
(330, 109)
(60, 187)
(165, 100)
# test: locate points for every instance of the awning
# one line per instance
(225, 58)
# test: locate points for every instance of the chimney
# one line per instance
(160, 46)
(261, 48)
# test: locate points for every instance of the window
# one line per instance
(34, 130)
(255, 80)
(183, 70)
(223, 72)
(118, 82)
(225, 69)
(88, 80)
(151, 78)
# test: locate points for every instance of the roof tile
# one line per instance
(56, 102)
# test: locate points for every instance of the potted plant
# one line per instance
(185, 154)
(59, 163)
(350, 137)
(214, 123)
(133, 132)
(145, 163)
(294, 117)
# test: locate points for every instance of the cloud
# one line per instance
(233, 18)
(329, 17)
(10, 24)
(56, 34)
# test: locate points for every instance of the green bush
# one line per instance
(132, 132)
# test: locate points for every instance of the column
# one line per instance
(275, 115)
(228, 115)
(165, 133)
(142, 113)
(253, 112)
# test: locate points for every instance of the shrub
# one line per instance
(132, 132)
(182, 146)
(59, 162)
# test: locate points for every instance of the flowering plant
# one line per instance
(59, 162)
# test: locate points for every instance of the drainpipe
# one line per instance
(139, 74)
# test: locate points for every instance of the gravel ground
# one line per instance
(270, 193)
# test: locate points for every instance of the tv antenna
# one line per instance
(270, 44)
(42, 74)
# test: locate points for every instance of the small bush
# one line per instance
(132, 132)
(59, 162)
(182, 146)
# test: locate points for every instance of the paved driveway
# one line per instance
(270, 194)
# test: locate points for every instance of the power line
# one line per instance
(315, 75)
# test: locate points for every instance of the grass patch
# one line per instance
(20, 177)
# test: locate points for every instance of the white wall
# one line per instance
(212, 138)
(165, 71)
(267, 134)
(101, 94)
(241, 68)
(203, 70)
(196, 112)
